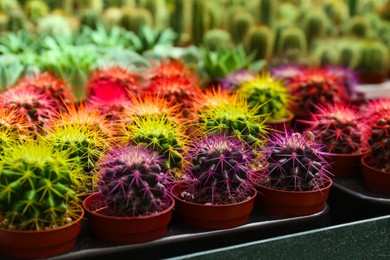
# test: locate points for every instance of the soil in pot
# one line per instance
(207, 216)
(375, 179)
(121, 229)
(42, 243)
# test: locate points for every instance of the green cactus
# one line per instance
(266, 12)
(112, 16)
(239, 25)
(36, 9)
(7, 6)
(96, 5)
(268, 94)
(353, 6)
(337, 12)
(200, 20)
(292, 38)
(159, 12)
(314, 25)
(134, 19)
(260, 40)
(162, 135)
(359, 27)
(181, 20)
(16, 21)
(347, 53)
(217, 38)
(37, 187)
(324, 53)
(90, 18)
(54, 25)
(373, 57)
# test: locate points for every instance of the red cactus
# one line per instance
(173, 70)
(48, 84)
(37, 108)
(315, 87)
(339, 126)
(110, 83)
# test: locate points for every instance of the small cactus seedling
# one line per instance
(315, 87)
(109, 83)
(269, 93)
(232, 115)
(37, 108)
(295, 162)
(133, 182)
(37, 188)
(84, 146)
(161, 135)
(219, 170)
(339, 127)
(46, 83)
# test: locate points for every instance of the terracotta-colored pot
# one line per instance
(346, 164)
(376, 179)
(125, 229)
(280, 124)
(42, 243)
(292, 203)
(211, 216)
(372, 77)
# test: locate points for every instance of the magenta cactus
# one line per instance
(295, 162)
(346, 77)
(133, 182)
(339, 127)
(219, 171)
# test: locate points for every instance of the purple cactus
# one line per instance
(295, 162)
(233, 81)
(286, 72)
(133, 182)
(219, 171)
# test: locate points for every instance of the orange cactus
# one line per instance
(171, 70)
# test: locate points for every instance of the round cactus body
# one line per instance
(295, 162)
(37, 188)
(220, 166)
(133, 182)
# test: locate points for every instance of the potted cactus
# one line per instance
(133, 204)
(39, 213)
(341, 129)
(376, 167)
(294, 178)
(216, 192)
(271, 97)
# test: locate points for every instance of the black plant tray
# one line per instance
(182, 239)
(351, 199)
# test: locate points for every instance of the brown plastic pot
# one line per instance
(376, 179)
(42, 243)
(346, 164)
(372, 77)
(125, 229)
(208, 216)
(283, 203)
(280, 124)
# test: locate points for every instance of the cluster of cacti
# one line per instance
(84, 147)
(268, 94)
(339, 127)
(219, 170)
(133, 181)
(315, 86)
(37, 108)
(37, 188)
(162, 135)
(295, 162)
(231, 115)
(377, 119)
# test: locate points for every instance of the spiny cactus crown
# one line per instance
(339, 127)
(36, 187)
(269, 93)
(133, 181)
(295, 162)
(219, 170)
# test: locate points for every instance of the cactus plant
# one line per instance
(181, 19)
(112, 17)
(239, 25)
(346, 77)
(200, 20)
(235, 80)
(286, 72)
(339, 127)
(170, 70)
(37, 108)
(13, 128)
(84, 146)
(36, 9)
(37, 188)
(314, 25)
(48, 84)
(259, 40)
(359, 27)
(312, 87)
(133, 182)
(292, 38)
(295, 162)
(133, 19)
(216, 38)
(266, 12)
(219, 170)
(231, 115)
(163, 136)
(158, 10)
(268, 94)
(55, 25)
